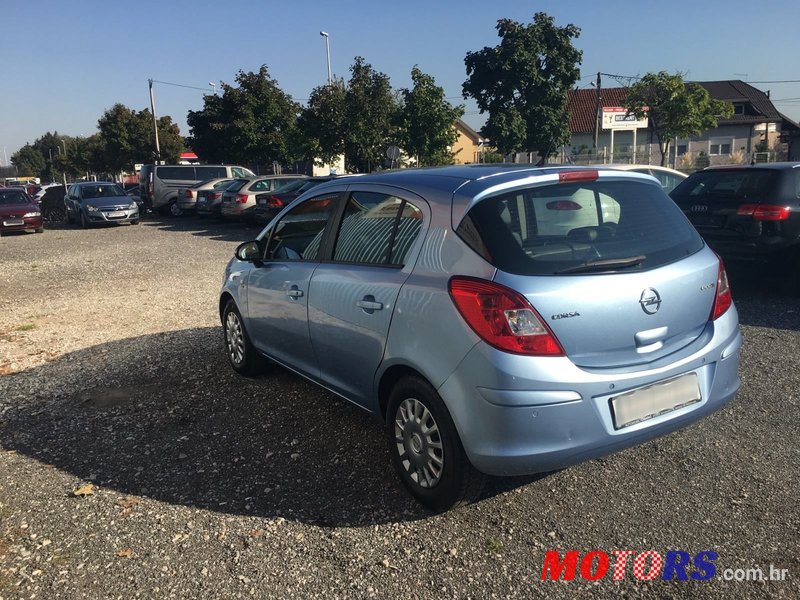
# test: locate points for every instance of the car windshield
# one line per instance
(13, 197)
(101, 190)
(293, 186)
(579, 227)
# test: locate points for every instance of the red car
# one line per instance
(18, 212)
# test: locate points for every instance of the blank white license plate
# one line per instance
(661, 398)
(117, 213)
(13, 222)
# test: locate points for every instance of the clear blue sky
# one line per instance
(64, 63)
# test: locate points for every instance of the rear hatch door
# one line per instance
(610, 264)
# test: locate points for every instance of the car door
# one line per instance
(278, 288)
(353, 295)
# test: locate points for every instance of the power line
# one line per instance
(191, 87)
(778, 81)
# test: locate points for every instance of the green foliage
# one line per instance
(322, 123)
(675, 109)
(370, 109)
(252, 122)
(29, 162)
(427, 121)
(127, 138)
(523, 83)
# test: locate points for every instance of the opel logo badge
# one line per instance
(650, 301)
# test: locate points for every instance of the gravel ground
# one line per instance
(196, 482)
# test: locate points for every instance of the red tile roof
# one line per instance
(582, 106)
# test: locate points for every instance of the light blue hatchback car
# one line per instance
(499, 320)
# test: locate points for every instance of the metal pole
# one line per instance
(597, 110)
(327, 53)
(155, 122)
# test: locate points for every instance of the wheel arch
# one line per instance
(389, 379)
(223, 300)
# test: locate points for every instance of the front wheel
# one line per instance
(84, 221)
(426, 450)
(244, 358)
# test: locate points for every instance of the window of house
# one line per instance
(738, 109)
(718, 147)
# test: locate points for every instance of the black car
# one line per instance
(748, 214)
(270, 204)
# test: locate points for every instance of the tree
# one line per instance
(322, 123)
(522, 84)
(127, 138)
(253, 122)
(370, 108)
(428, 121)
(674, 108)
(29, 161)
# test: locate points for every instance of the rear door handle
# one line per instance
(294, 292)
(369, 305)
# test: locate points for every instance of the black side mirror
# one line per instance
(249, 252)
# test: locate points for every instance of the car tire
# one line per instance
(426, 450)
(244, 358)
(174, 209)
(39, 230)
(84, 221)
(135, 222)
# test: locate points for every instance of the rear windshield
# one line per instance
(594, 226)
(236, 185)
(735, 184)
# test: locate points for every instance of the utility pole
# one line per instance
(597, 110)
(155, 122)
(64, 171)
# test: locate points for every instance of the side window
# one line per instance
(260, 186)
(205, 172)
(367, 229)
(298, 235)
(377, 229)
(408, 228)
(238, 172)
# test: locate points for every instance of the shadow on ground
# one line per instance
(211, 227)
(764, 298)
(172, 422)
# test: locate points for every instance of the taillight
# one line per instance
(215, 195)
(723, 299)
(582, 175)
(502, 317)
(764, 212)
(151, 188)
(241, 198)
(274, 202)
(187, 194)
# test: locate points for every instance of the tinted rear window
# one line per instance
(236, 185)
(738, 184)
(178, 173)
(557, 228)
(13, 197)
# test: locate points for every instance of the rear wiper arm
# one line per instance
(606, 264)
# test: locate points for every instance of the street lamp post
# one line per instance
(213, 87)
(327, 53)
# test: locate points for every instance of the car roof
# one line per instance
(776, 165)
(82, 183)
(450, 178)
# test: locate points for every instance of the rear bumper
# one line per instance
(755, 250)
(187, 204)
(232, 209)
(520, 415)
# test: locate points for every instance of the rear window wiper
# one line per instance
(606, 264)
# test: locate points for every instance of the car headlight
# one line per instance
(133, 205)
(35, 213)
(91, 208)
